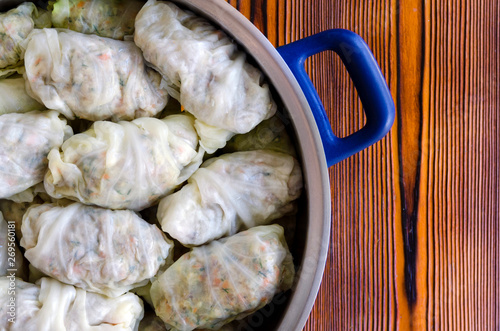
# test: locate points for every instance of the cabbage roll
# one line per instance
(106, 18)
(27, 195)
(53, 306)
(91, 77)
(151, 322)
(99, 250)
(25, 141)
(14, 97)
(125, 165)
(11, 258)
(203, 68)
(232, 192)
(225, 280)
(15, 26)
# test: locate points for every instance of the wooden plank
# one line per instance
(415, 218)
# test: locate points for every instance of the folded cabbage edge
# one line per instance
(103, 79)
(204, 69)
(25, 141)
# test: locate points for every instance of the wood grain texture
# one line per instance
(415, 242)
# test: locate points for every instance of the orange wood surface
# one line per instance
(415, 218)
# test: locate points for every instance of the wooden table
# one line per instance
(415, 240)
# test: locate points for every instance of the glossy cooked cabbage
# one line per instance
(125, 165)
(225, 280)
(229, 193)
(106, 18)
(15, 26)
(203, 69)
(53, 306)
(30, 194)
(25, 141)
(91, 77)
(12, 71)
(99, 250)
(13, 208)
(14, 98)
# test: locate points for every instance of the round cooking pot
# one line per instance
(318, 147)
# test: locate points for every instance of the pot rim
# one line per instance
(315, 170)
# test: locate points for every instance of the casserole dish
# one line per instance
(316, 144)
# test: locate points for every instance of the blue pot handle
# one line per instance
(367, 78)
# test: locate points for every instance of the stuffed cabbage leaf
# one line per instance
(91, 77)
(25, 141)
(225, 280)
(125, 165)
(107, 18)
(53, 306)
(229, 193)
(14, 97)
(99, 250)
(203, 68)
